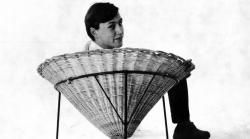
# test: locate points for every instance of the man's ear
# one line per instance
(93, 31)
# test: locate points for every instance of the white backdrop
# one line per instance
(214, 33)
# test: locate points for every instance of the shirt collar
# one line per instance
(94, 46)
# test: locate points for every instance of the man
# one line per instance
(104, 27)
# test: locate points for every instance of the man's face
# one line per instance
(110, 34)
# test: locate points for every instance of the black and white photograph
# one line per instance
(134, 69)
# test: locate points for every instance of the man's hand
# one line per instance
(189, 66)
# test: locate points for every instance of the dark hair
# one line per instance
(99, 13)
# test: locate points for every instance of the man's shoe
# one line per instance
(188, 130)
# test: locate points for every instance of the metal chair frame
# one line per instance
(124, 121)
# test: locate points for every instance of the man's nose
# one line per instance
(119, 29)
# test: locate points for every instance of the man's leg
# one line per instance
(178, 100)
(185, 129)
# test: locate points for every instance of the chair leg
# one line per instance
(165, 116)
(58, 114)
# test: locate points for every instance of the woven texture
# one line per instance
(87, 94)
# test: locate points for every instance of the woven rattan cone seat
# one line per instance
(114, 89)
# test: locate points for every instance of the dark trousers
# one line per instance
(178, 99)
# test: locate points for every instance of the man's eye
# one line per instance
(120, 23)
(112, 26)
